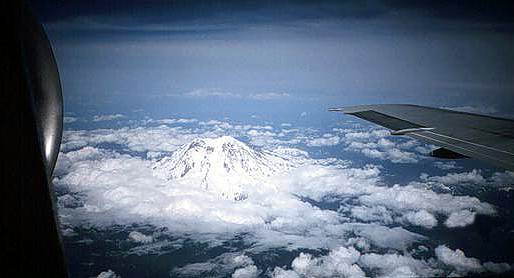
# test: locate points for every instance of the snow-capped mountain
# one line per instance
(222, 165)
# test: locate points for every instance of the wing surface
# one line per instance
(487, 138)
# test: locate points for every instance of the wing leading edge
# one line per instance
(486, 138)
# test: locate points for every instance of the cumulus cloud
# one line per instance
(503, 178)
(108, 274)
(250, 271)
(326, 140)
(104, 187)
(340, 262)
(497, 268)
(123, 189)
(473, 176)
(269, 96)
(349, 262)
(176, 121)
(126, 187)
(228, 264)
(460, 219)
(68, 119)
(412, 197)
(396, 265)
(101, 118)
(166, 135)
(458, 260)
(373, 143)
(139, 237)
(141, 139)
(421, 218)
(279, 272)
(448, 165)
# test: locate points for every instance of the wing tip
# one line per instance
(360, 108)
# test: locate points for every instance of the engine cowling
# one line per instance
(446, 154)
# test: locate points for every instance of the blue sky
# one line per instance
(233, 57)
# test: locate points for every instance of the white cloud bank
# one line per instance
(229, 264)
(374, 143)
(464, 266)
(69, 119)
(339, 262)
(206, 93)
(108, 274)
(349, 262)
(101, 118)
(139, 237)
(326, 140)
(105, 187)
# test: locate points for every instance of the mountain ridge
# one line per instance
(223, 165)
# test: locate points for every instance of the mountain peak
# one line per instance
(223, 165)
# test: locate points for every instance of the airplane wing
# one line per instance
(460, 134)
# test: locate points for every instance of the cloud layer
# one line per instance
(106, 186)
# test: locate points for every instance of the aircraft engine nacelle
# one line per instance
(446, 154)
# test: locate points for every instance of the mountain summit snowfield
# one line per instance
(223, 165)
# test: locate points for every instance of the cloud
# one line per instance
(250, 271)
(421, 218)
(373, 143)
(101, 118)
(497, 268)
(412, 197)
(176, 121)
(235, 264)
(313, 179)
(268, 96)
(104, 187)
(458, 260)
(68, 119)
(340, 262)
(473, 176)
(460, 219)
(139, 237)
(503, 178)
(108, 274)
(390, 265)
(349, 262)
(449, 165)
(372, 214)
(279, 272)
(202, 93)
(141, 139)
(326, 140)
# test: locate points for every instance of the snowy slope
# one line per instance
(223, 165)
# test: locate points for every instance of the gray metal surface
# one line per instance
(487, 138)
(44, 88)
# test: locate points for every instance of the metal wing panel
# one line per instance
(482, 152)
(483, 137)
